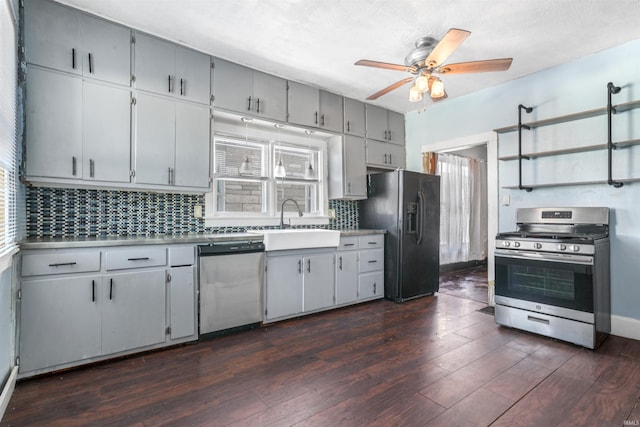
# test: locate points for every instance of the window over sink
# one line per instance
(248, 184)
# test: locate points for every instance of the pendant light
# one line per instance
(309, 173)
(245, 167)
(279, 171)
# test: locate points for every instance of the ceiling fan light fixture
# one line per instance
(422, 83)
(414, 94)
(437, 89)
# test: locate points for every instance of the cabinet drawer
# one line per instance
(371, 261)
(180, 256)
(61, 262)
(119, 259)
(348, 243)
(372, 241)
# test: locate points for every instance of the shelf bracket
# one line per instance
(520, 156)
(611, 90)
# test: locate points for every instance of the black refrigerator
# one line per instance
(407, 205)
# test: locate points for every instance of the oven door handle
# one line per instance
(547, 256)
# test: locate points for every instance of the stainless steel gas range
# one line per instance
(552, 274)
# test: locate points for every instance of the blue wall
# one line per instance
(570, 88)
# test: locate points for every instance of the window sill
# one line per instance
(263, 222)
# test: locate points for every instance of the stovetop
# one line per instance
(555, 237)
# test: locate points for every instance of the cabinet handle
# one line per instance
(110, 289)
(372, 243)
(349, 244)
(257, 105)
(372, 261)
(145, 258)
(182, 87)
(316, 117)
(90, 63)
(74, 166)
(349, 188)
(374, 287)
(390, 161)
(299, 266)
(322, 120)
(61, 264)
(340, 263)
(73, 58)
(309, 265)
(93, 291)
(385, 158)
(169, 83)
(249, 104)
(389, 132)
(348, 126)
(92, 168)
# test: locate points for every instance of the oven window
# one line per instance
(554, 283)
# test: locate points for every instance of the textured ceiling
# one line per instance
(318, 41)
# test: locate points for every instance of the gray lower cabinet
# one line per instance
(133, 310)
(347, 276)
(360, 268)
(298, 282)
(60, 321)
(182, 307)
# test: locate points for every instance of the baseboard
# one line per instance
(7, 391)
(625, 327)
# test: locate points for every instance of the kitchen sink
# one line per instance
(300, 238)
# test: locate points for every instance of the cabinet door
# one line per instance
(284, 286)
(192, 146)
(155, 68)
(133, 310)
(106, 133)
(346, 277)
(106, 50)
(182, 305)
(232, 86)
(396, 156)
(193, 75)
(355, 169)
(59, 321)
(303, 102)
(354, 117)
(53, 124)
(318, 281)
(371, 285)
(52, 36)
(396, 127)
(271, 92)
(331, 116)
(388, 156)
(376, 123)
(155, 139)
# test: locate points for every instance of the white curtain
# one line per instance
(463, 213)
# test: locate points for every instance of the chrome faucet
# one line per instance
(282, 211)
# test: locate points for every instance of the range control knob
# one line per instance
(506, 243)
(537, 245)
(575, 248)
(562, 247)
(516, 244)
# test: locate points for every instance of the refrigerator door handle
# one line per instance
(420, 217)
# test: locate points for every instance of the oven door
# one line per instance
(562, 281)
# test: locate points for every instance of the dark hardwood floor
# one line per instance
(434, 361)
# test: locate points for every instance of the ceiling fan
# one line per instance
(427, 58)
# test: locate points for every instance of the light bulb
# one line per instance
(280, 171)
(437, 89)
(414, 94)
(309, 173)
(422, 83)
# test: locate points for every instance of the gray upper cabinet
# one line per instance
(347, 168)
(310, 106)
(246, 91)
(67, 40)
(384, 125)
(381, 155)
(354, 117)
(168, 69)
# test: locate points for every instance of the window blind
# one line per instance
(8, 143)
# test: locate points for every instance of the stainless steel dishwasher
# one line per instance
(230, 276)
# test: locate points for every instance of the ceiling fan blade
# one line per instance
(446, 46)
(386, 65)
(502, 64)
(388, 89)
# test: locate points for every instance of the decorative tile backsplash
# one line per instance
(62, 212)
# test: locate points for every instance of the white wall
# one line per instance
(569, 88)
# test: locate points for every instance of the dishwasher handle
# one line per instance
(227, 248)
